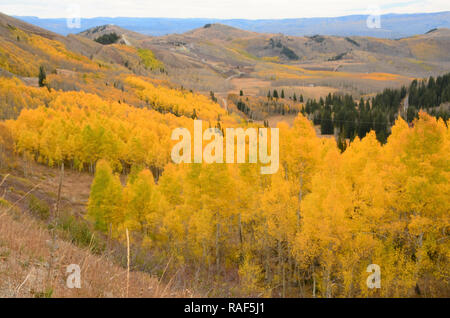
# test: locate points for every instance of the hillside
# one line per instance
(37, 240)
(112, 157)
(126, 37)
(215, 57)
(218, 53)
(34, 259)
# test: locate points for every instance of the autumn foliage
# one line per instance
(310, 230)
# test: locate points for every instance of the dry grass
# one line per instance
(75, 188)
(32, 264)
(250, 86)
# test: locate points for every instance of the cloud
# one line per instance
(249, 9)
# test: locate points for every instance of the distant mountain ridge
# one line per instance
(392, 25)
(223, 59)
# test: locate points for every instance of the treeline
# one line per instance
(428, 95)
(343, 116)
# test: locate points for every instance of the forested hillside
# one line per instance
(100, 126)
(309, 230)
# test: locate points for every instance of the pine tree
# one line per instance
(42, 76)
(326, 122)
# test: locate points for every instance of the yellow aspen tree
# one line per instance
(105, 205)
(142, 200)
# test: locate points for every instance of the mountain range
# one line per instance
(392, 25)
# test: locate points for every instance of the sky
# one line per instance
(220, 9)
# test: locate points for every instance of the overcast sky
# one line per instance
(226, 9)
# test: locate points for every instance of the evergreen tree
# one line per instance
(326, 122)
(275, 94)
(42, 76)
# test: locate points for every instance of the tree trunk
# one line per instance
(314, 282)
(61, 177)
(217, 246)
(240, 230)
(300, 197)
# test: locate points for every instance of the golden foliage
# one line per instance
(178, 102)
(317, 223)
(83, 128)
